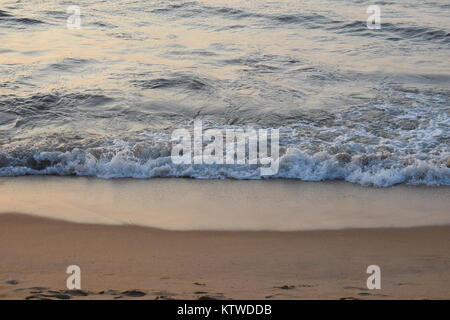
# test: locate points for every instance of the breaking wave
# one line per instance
(395, 144)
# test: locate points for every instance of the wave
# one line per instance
(39, 109)
(17, 21)
(405, 140)
(377, 145)
(309, 20)
(188, 82)
(4, 14)
(366, 169)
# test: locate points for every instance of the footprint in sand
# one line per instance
(36, 297)
(109, 292)
(41, 293)
(43, 296)
(32, 289)
(164, 298)
(285, 287)
(203, 295)
(77, 293)
(133, 293)
(199, 284)
(38, 288)
(207, 298)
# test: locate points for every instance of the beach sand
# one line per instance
(225, 205)
(129, 262)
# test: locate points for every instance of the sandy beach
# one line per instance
(129, 262)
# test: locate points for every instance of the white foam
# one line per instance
(295, 164)
(382, 152)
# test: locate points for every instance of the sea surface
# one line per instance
(366, 106)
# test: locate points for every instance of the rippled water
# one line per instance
(366, 106)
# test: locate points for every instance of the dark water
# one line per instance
(366, 106)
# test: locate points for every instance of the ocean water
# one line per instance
(366, 106)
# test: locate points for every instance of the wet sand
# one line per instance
(129, 262)
(225, 205)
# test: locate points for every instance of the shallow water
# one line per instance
(187, 204)
(366, 106)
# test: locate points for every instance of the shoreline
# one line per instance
(130, 262)
(234, 205)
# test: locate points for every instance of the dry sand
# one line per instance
(35, 252)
